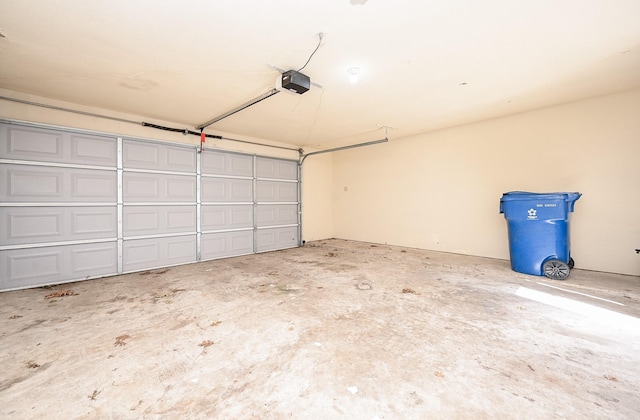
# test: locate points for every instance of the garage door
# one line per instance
(276, 204)
(76, 205)
(158, 205)
(226, 187)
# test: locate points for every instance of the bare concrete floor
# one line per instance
(335, 329)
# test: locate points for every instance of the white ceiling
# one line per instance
(425, 64)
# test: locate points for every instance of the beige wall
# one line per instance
(442, 190)
(317, 205)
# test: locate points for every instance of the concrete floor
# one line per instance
(335, 329)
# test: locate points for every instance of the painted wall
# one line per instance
(317, 204)
(317, 170)
(441, 190)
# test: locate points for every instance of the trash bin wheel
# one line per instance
(556, 269)
(571, 263)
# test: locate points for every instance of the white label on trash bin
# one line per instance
(533, 214)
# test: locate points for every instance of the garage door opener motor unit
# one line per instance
(295, 81)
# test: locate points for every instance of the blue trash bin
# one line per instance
(538, 225)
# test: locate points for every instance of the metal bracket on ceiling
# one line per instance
(385, 127)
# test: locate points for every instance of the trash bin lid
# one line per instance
(569, 197)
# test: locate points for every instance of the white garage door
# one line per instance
(159, 205)
(226, 188)
(276, 204)
(75, 205)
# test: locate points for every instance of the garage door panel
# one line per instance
(180, 159)
(181, 188)
(32, 225)
(228, 164)
(276, 168)
(182, 219)
(141, 187)
(90, 150)
(276, 238)
(226, 190)
(226, 244)
(38, 266)
(144, 254)
(156, 220)
(94, 222)
(140, 155)
(276, 214)
(226, 217)
(93, 186)
(31, 183)
(42, 145)
(27, 183)
(98, 258)
(27, 143)
(28, 225)
(158, 156)
(31, 264)
(275, 191)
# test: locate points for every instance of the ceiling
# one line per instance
(424, 64)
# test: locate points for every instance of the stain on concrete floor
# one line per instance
(335, 329)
